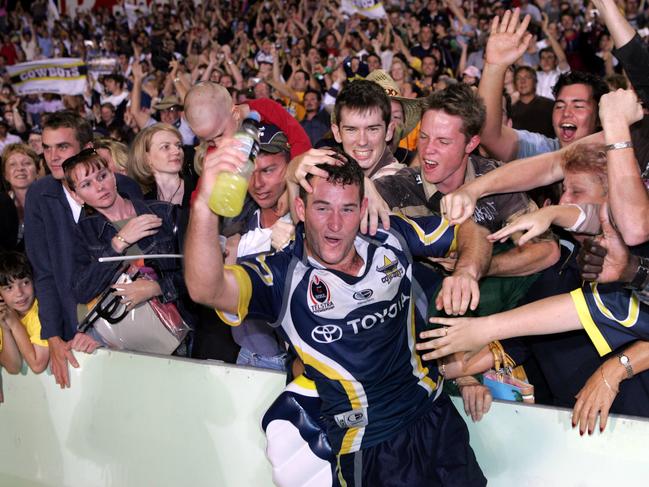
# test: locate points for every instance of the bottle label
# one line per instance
(250, 145)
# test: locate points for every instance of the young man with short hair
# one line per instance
(576, 98)
(362, 125)
(349, 312)
(449, 133)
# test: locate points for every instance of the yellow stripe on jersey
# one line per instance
(263, 271)
(339, 471)
(632, 315)
(350, 438)
(435, 235)
(419, 370)
(587, 322)
(305, 383)
(245, 293)
(453, 247)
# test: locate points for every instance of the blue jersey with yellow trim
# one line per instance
(355, 334)
(611, 314)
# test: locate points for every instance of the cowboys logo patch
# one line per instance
(391, 270)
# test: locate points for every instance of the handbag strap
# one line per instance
(504, 364)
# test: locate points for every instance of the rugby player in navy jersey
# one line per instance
(346, 303)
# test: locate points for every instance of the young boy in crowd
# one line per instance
(19, 310)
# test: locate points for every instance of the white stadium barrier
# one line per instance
(136, 420)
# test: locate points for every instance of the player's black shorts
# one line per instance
(432, 451)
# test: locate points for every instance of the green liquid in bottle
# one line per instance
(228, 194)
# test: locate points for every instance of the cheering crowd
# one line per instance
(482, 159)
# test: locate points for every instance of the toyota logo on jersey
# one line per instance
(327, 333)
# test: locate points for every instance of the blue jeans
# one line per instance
(248, 357)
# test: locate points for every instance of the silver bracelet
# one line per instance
(619, 145)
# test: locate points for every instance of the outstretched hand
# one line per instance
(458, 206)
(595, 399)
(459, 292)
(377, 209)
(305, 164)
(509, 39)
(455, 335)
(532, 224)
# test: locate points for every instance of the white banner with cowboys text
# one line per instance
(63, 76)
(367, 8)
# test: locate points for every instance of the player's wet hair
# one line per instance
(349, 172)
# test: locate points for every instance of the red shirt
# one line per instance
(273, 112)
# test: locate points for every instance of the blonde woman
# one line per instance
(19, 168)
(400, 73)
(156, 162)
(114, 153)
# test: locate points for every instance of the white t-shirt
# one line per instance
(74, 206)
(546, 81)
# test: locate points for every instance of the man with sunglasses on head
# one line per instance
(51, 213)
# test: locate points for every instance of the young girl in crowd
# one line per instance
(19, 311)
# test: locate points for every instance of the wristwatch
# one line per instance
(641, 277)
(626, 363)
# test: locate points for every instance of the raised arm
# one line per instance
(508, 42)
(141, 117)
(18, 119)
(177, 80)
(621, 31)
(562, 60)
(627, 194)
(207, 280)
(276, 82)
(631, 51)
(212, 62)
(232, 67)
(520, 175)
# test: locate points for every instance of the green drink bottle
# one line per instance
(230, 189)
